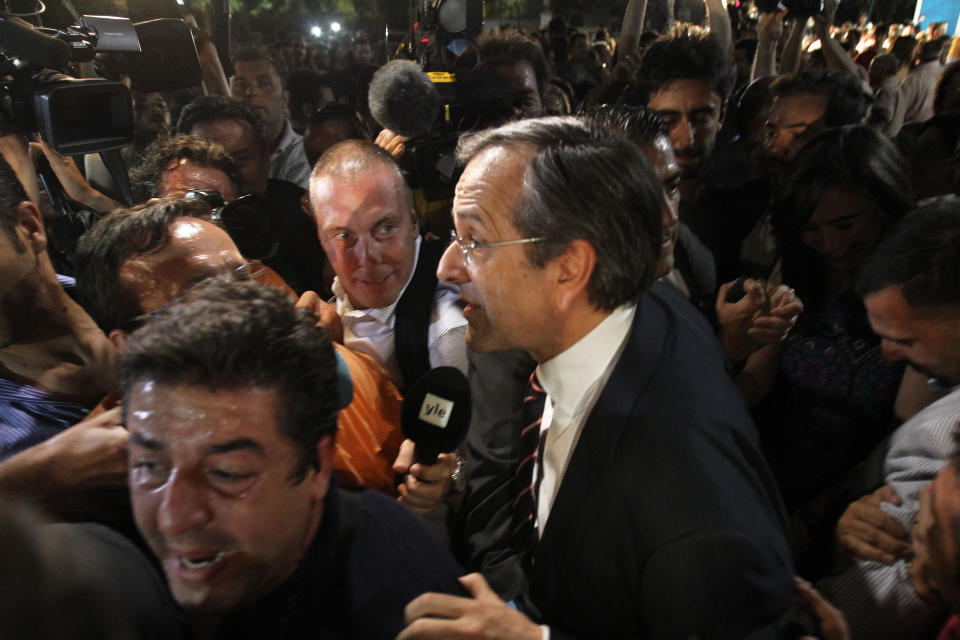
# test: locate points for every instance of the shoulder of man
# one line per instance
(394, 557)
(122, 588)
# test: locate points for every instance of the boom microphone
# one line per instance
(402, 98)
(436, 413)
(20, 40)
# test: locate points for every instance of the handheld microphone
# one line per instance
(403, 99)
(436, 413)
(20, 40)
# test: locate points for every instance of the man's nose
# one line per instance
(452, 268)
(367, 251)
(669, 217)
(829, 243)
(681, 135)
(183, 506)
(891, 351)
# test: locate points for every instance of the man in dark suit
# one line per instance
(650, 512)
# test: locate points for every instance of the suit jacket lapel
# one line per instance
(581, 496)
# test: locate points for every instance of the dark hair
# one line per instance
(685, 52)
(905, 48)
(344, 113)
(343, 85)
(498, 48)
(931, 50)
(921, 255)
(847, 102)
(942, 92)
(204, 109)
(637, 124)
(582, 182)
(857, 158)
(948, 122)
(224, 334)
(754, 101)
(305, 86)
(886, 63)
(12, 194)
(164, 155)
(116, 238)
(256, 54)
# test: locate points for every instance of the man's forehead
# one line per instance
(685, 94)
(807, 105)
(152, 406)
(253, 68)
(195, 248)
(357, 192)
(889, 313)
(491, 184)
(228, 132)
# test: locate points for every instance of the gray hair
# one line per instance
(584, 182)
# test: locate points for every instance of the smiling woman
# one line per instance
(831, 394)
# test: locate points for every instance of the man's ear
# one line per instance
(723, 114)
(30, 227)
(320, 481)
(573, 270)
(307, 109)
(118, 338)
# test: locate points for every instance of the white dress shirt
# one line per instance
(289, 161)
(371, 331)
(573, 381)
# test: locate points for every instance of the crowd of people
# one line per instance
(704, 282)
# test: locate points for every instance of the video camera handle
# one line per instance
(113, 160)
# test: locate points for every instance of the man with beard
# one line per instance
(911, 291)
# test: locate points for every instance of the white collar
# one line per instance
(571, 378)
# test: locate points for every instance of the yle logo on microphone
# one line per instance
(436, 410)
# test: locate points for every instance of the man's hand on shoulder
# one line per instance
(484, 615)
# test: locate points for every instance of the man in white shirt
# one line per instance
(387, 294)
(653, 514)
(369, 231)
(256, 80)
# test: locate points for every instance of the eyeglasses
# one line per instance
(467, 247)
(249, 270)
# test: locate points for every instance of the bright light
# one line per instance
(335, 27)
(316, 31)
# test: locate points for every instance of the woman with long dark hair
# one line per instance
(824, 397)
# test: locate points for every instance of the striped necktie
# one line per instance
(523, 532)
